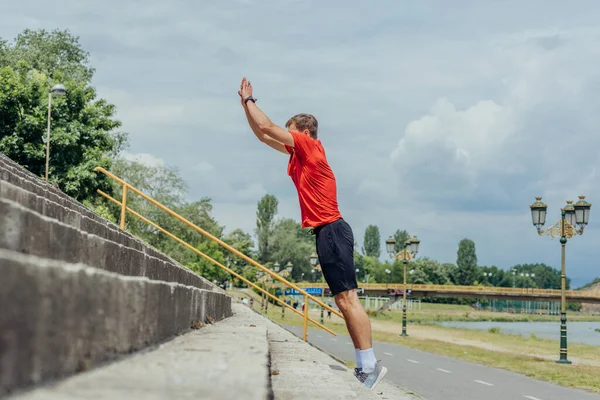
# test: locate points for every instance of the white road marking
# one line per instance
(444, 370)
(484, 383)
(531, 397)
(335, 340)
(388, 354)
(412, 361)
(348, 343)
(319, 336)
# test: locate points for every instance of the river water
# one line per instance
(578, 332)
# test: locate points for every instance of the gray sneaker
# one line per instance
(372, 379)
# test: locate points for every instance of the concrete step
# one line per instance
(227, 360)
(58, 318)
(71, 213)
(29, 232)
(20, 185)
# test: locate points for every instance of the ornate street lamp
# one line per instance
(57, 90)
(314, 259)
(572, 215)
(409, 250)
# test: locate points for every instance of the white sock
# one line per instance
(358, 360)
(367, 360)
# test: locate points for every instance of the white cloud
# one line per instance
(147, 159)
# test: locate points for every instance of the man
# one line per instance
(317, 193)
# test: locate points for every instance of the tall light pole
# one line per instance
(58, 90)
(314, 261)
(571, 215)
(409, 250)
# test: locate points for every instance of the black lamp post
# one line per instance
(571, 216)
(408, 252)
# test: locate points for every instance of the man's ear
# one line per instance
(306, 132)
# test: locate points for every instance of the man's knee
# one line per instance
(346, 300)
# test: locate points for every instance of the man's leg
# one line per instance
(357, 320)
(359, 328)
(335, 248)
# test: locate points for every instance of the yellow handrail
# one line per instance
(124, 208)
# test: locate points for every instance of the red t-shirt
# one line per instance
(314, 180)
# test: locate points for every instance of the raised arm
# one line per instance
(263, 137)
(260, 119)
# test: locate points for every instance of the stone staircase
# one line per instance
(76, 291)
(88, 311)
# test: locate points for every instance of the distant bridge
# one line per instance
(476, 292)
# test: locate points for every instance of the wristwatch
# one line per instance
(249, 98)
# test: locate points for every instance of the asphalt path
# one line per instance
(437, 377)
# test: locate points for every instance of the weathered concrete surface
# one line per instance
(227, 360)
(28, 232)
(304, 372)
(20, 185)
(58, 318)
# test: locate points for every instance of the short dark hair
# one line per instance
(304, 121)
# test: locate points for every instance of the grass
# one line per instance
(530, 356)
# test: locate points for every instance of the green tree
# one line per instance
(242, 242)
(466, 261)
(165, 185)
(436, 273)
(400, 237)
(265, 215)
(372, 242)
(289, 242)
(52, 53)
(84, 129)
(206, 268)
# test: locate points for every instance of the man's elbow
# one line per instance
(265, 126)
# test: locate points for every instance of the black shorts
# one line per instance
(335, 248)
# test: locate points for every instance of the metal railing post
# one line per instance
(123, 207)
(305, 331)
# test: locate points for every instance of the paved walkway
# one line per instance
(436, 377)
(245, 356)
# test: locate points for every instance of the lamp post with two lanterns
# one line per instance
(409, 250)
(572, 215)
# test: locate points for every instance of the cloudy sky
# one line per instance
(442, 118)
